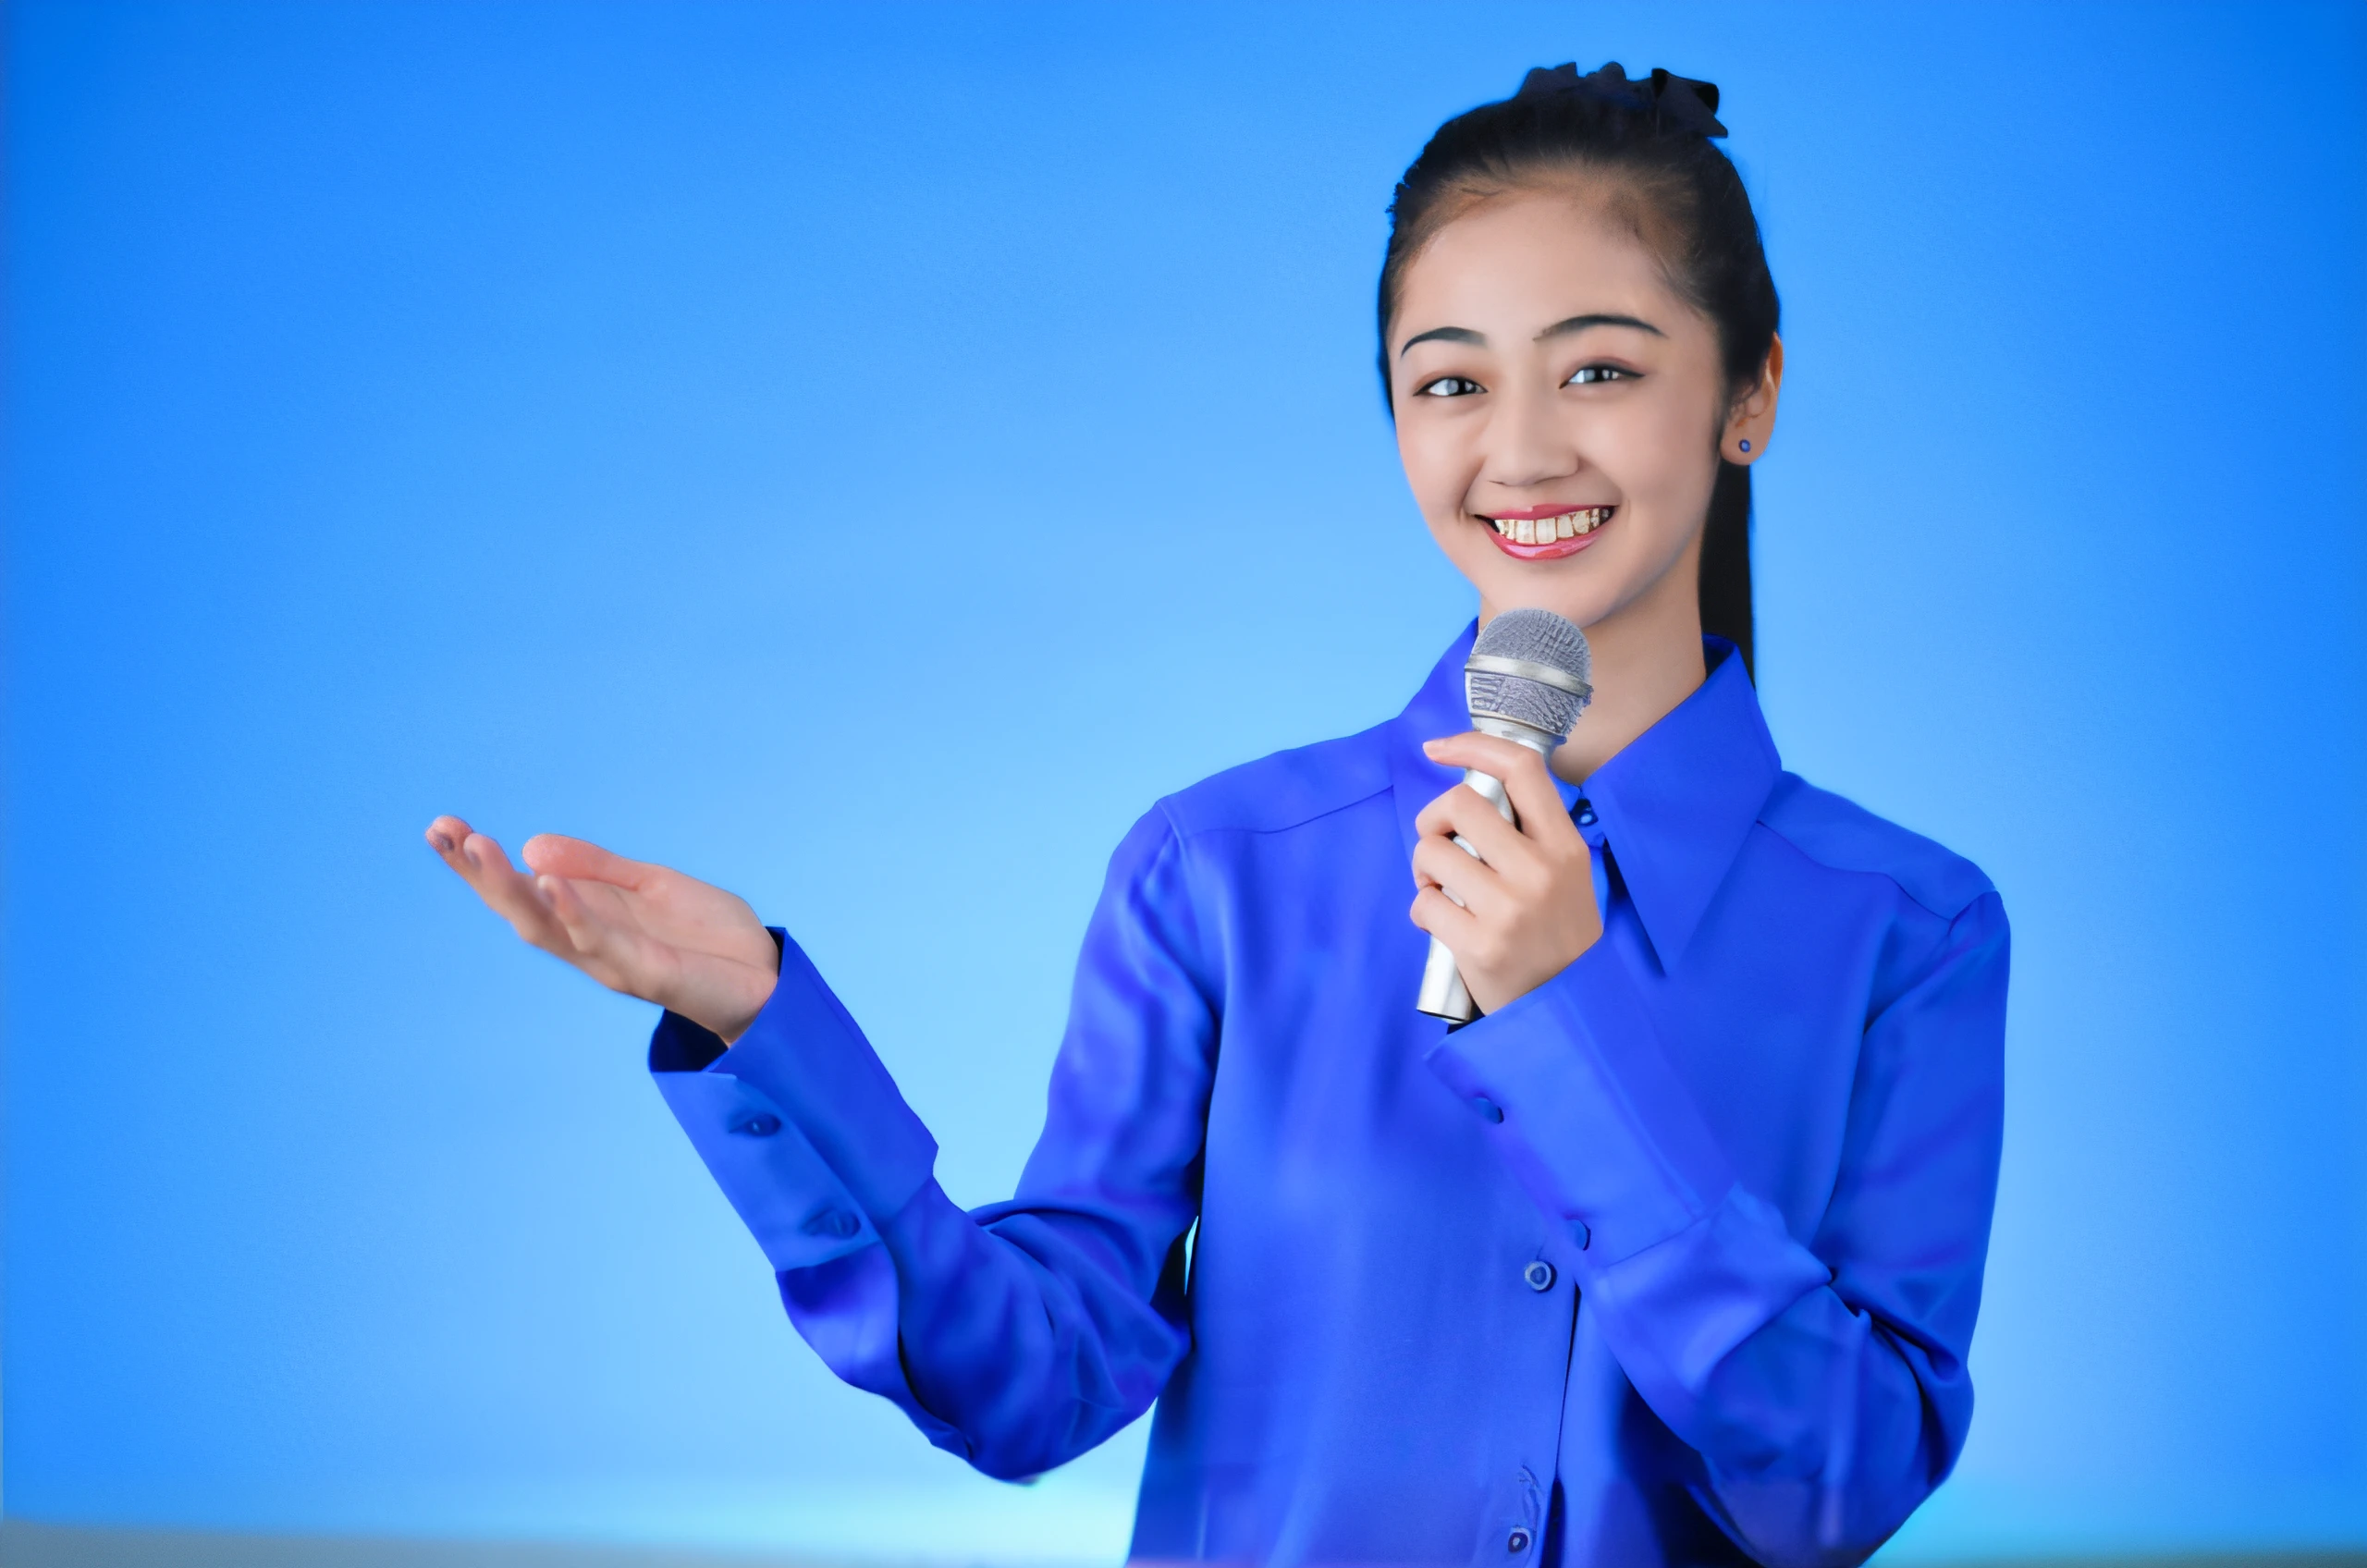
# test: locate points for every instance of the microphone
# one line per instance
(1527, 681)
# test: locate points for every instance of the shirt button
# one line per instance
(1540, 1276)
(1487, 1108)
(1585, 814)
(1580, 1234)
(1518, 1542)
(759, 1126)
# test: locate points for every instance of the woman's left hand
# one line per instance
(1529, 911)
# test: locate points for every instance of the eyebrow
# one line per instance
(1580, 324)
(1446, 335)
(1559, 329)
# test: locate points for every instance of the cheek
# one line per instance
(1439, 466)
(1666, 465)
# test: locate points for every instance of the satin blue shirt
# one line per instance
(1673, 1260)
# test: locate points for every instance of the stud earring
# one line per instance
(1746, 446)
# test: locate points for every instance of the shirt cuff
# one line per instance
(1597, 1121)
(801, 1214)
(804, 1063)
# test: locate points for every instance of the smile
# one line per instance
(1538, 534)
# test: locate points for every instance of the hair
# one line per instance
(1646, 144)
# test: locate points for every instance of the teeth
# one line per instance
(1545, 531)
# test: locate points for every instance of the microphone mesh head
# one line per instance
(1539, 637)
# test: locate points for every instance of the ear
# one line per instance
(1751, 424)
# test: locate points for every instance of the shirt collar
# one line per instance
(1676, 802)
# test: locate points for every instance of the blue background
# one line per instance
(863, 456)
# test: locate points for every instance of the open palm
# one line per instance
(634, 927)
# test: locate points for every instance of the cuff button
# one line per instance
(758, 1126)
(1538, 1275)
(831, 1222)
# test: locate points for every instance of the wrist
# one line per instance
(1540, 972)
(759, 990)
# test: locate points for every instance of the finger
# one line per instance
(446, 834)
(467, 852)
(1440, 863)
(509, 894)
(1440, 915)
(556, 854)
(1449, 807)
(1528, 781)
(609, 945)
(486, 857)
(478, 859)
(1463, 811)
(1530, 788)
(1489, 753)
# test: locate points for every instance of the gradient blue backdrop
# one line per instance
(614, 418)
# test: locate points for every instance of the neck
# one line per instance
(1647, 658)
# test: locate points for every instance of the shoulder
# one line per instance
(1284, 791)
(1840, 834)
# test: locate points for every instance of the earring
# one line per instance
(1746, 446)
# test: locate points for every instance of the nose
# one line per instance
(1527, 445)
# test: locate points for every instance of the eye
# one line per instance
(1449, 386)
(1586, 375)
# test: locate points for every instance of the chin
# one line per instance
(1543, 585)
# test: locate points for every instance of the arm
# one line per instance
(1025, 1333)
(1820, 1379)
(1017, 1337)
(1822, 1382)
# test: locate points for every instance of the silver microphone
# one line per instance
(1527, 681)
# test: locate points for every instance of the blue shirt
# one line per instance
(1683, 1247)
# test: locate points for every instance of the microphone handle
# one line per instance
(1443, 994)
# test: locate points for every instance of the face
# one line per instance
(1561, 412)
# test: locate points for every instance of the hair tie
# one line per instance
(1681, 103)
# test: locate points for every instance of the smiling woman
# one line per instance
(1575, 312)
(1672, 1256)
(1675, 197)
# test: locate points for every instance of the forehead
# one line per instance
(1519, 263)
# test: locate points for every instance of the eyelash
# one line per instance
(1464, 386)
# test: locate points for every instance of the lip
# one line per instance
(1559, 548)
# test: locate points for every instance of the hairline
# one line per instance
(1623, 197)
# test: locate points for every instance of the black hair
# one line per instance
(1649, 142)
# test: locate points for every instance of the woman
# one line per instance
(1673, 1256)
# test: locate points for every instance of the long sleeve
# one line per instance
(1821, 1378)
(1020, 1335)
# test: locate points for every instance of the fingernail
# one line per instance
(470, 856)
(443, 841)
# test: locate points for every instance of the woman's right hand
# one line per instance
(634, 927)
